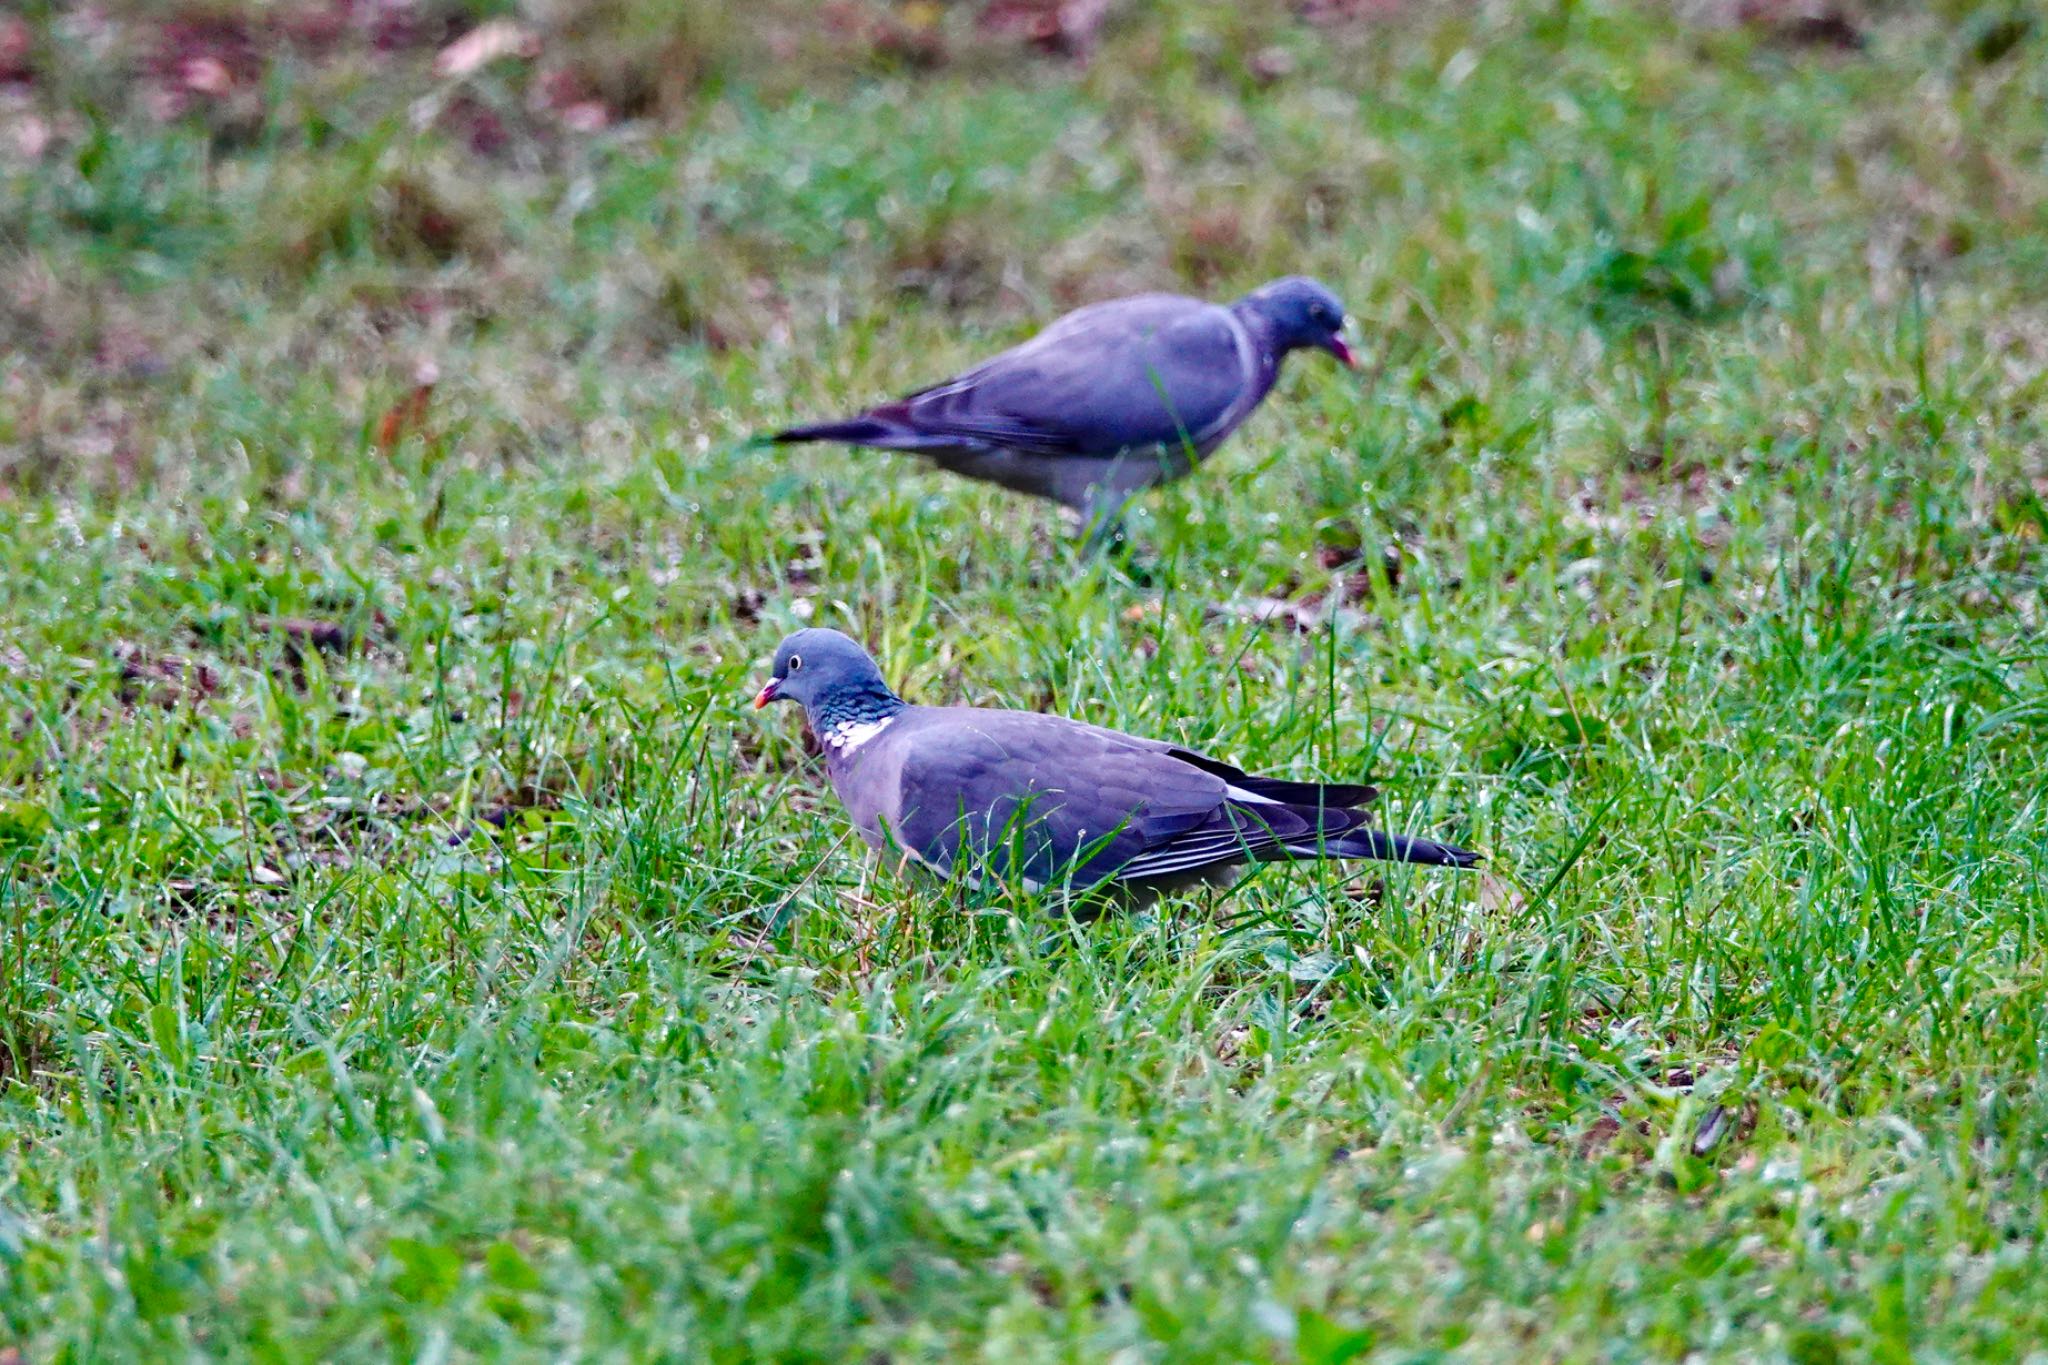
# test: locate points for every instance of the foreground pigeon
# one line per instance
(1053, 800)
(1108, 400)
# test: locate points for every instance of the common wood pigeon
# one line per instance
(1060, 803)
(1108, 400)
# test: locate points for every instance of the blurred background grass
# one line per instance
(412, 947)
(648, 189)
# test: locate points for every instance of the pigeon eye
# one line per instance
(796, 661)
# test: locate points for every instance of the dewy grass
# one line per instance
(410, 945)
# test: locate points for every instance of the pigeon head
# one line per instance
(1298, 311)
(823, 670)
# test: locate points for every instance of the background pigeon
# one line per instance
(1057, 801)
(1109, 399)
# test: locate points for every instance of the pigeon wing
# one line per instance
(1155, 370)
(1044, 797)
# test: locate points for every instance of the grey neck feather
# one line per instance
(854, 704)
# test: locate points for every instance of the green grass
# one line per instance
(413, 947)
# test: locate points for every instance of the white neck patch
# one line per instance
(849, 735)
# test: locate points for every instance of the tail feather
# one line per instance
(1322, 829)
(1391, 848)
(852, 431)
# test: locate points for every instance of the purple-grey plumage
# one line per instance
(1108, 400)
(1057, 801)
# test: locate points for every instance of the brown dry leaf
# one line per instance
(488, 42)
(1603, 1131)
(17, 49)
(408, 414)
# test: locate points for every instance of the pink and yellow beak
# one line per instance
(1337, 347)
(768, 693)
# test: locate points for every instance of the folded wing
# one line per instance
(1052, 800)
(1157, 370)
(1041, 797)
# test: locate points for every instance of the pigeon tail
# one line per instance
(1388, 848)
(852, 431)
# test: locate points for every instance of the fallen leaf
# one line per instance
(206, 76)
(1603, 1131)
(586, 116)
(408, 414)
(488, 42)
(17, 52)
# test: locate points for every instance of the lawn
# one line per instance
(412, 945)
